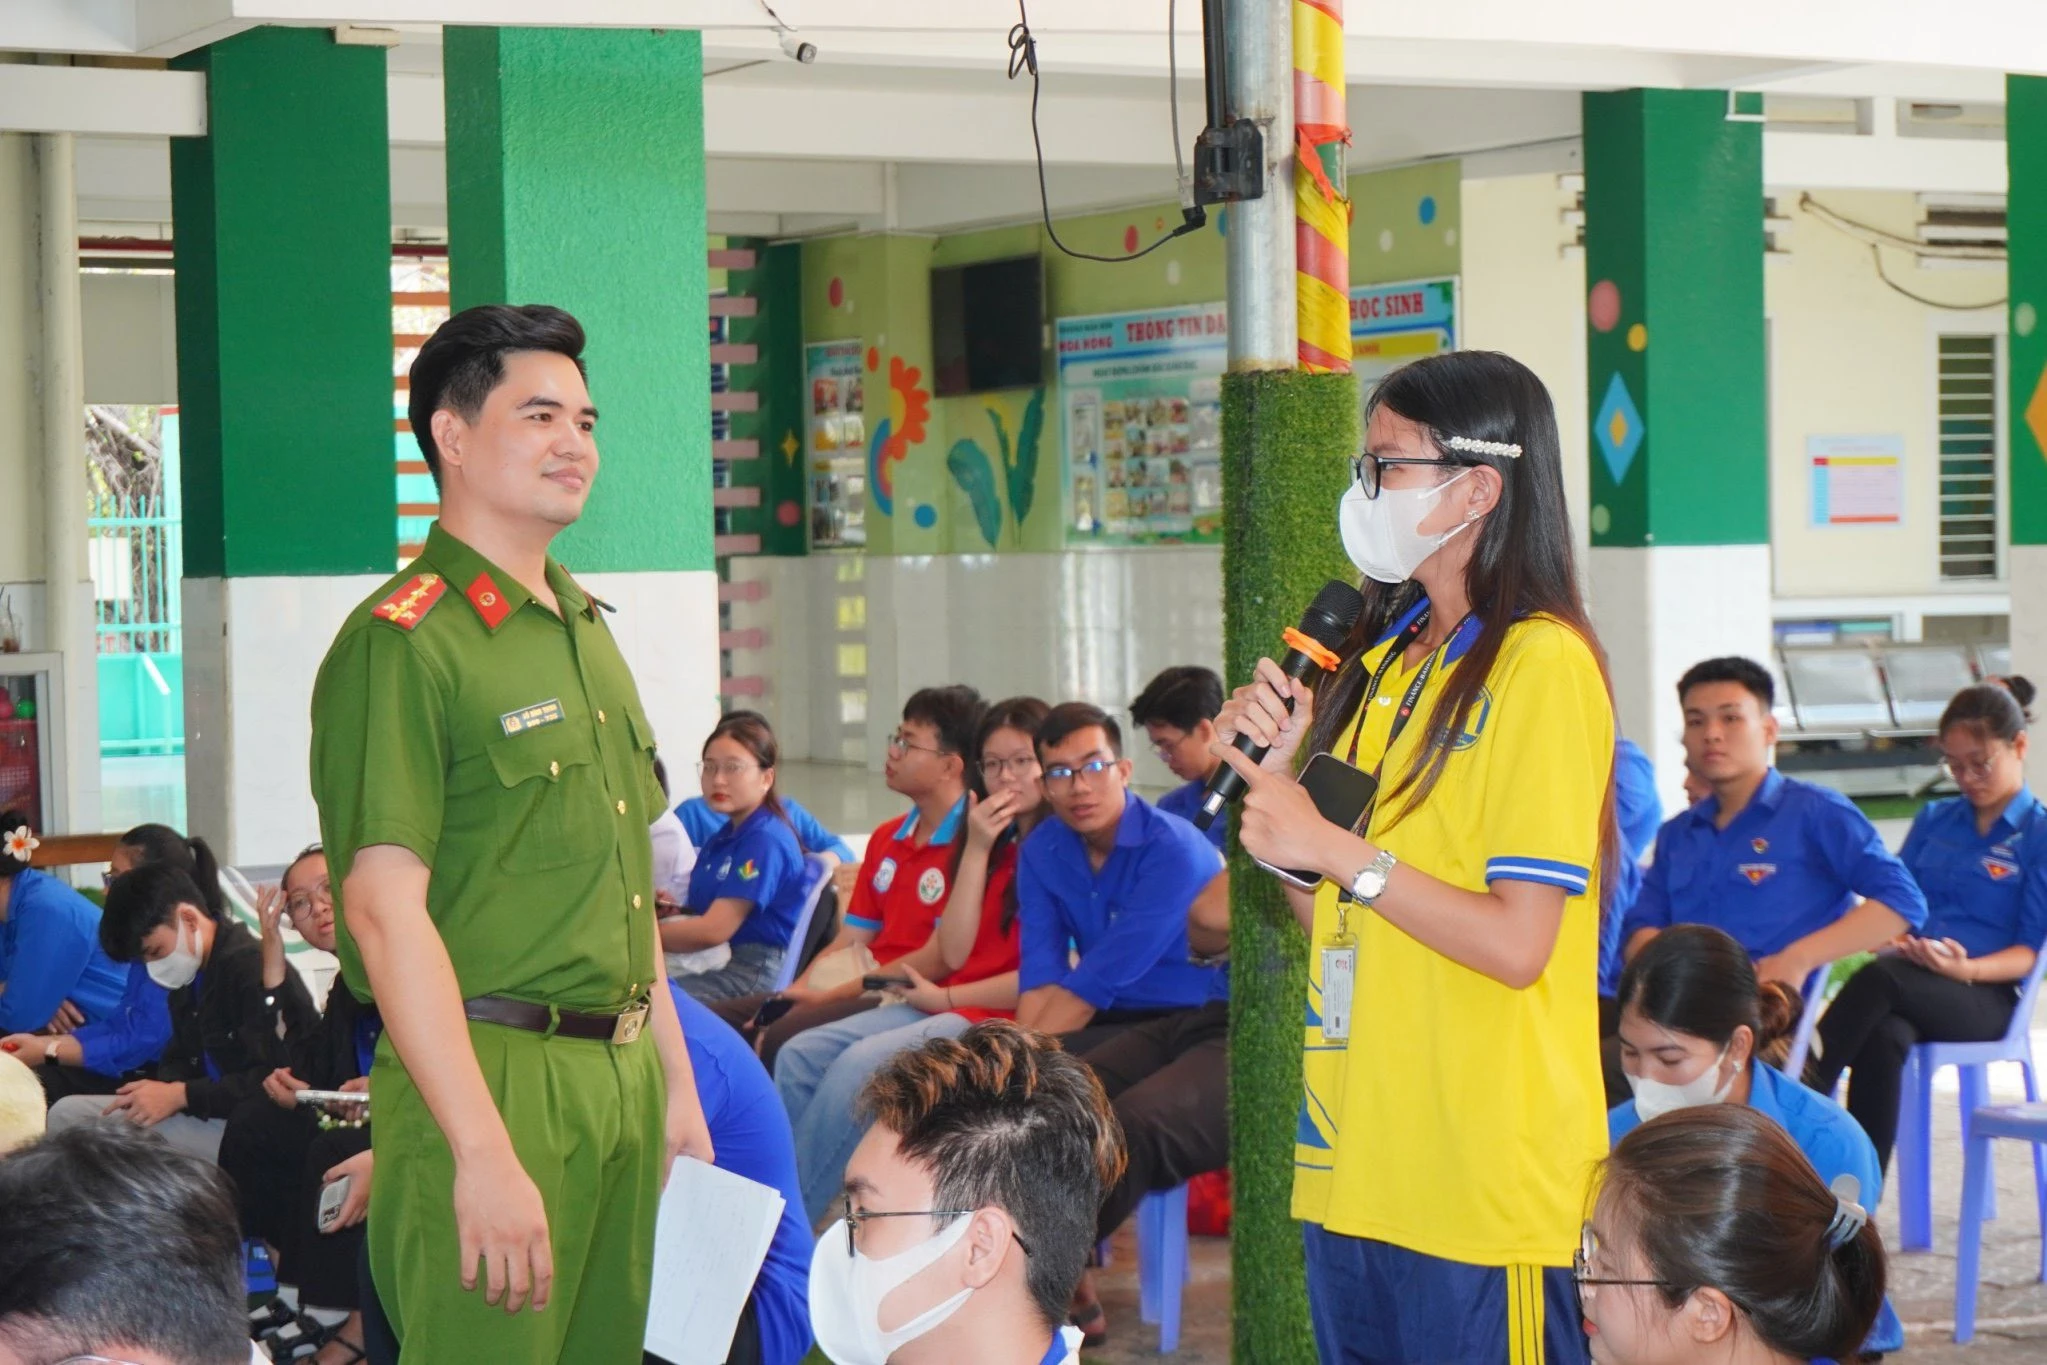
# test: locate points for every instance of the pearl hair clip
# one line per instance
(1472, 446)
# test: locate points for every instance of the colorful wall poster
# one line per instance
(835, 443)
(1141, 403)
(1391, 324)
(1857, 480)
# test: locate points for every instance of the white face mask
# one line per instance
(1383, 536)
(175, 969)
(1654, 1098)
(846, 1294)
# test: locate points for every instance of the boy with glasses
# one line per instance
(1177, 711)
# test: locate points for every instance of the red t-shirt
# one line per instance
(903, 886)
(996, 949)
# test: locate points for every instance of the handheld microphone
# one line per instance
(1313, 644)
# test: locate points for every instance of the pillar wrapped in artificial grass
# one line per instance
(1287, 440)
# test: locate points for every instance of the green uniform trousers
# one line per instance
(587, 1121)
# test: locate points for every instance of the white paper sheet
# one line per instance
(711, 1237)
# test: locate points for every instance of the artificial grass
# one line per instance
(1287, 438)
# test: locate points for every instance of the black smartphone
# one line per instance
(1343, 795)
(772, 1008)
(884, 983)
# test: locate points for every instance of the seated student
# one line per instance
(966, 971)
(967, 1206)
(701, 819)
(1639, 811)
(1981, 858)
(96, 1058)
(750, 1135)
(905, 877)
(1177, 711)
(53, 976)
(115, 1247)
(280, 1153)
(748, 885)
(1693, 1019)
(1776, 862)
(1712, 1239)
(224, 1036)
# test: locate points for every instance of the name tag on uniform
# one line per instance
(531, 717)
(1339, 974)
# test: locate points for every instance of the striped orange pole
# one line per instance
(1321, 201)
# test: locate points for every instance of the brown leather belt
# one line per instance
(621, 1028)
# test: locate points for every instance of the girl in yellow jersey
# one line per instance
(1454, 1110)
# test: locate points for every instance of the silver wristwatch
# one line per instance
(1370, 884)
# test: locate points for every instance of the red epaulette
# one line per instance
(408, 606)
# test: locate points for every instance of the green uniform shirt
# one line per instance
(458, 717)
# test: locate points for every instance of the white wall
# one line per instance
(131, 351)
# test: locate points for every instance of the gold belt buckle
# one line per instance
(629, 1024)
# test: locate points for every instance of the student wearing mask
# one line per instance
(1713, 1239)
(1981, 858)
(1776, 862)
(748, 885)
(53, 976)
(1693, 1019)
(965, 972)
(1441, 1179)
(968, 1207)
(1177, 711)
(224, 1021)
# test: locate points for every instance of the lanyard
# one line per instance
(1414, 689)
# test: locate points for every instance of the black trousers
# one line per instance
(60, 1082)
(277, 1159)
(1168, 1078)
(1880, 1015)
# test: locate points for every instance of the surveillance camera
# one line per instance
(796, 49)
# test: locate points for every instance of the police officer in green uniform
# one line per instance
(484, 772)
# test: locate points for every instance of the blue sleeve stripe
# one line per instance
(1570, 876)
(856, 922)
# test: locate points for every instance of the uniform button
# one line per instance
(636, 900)
(600, 716)
(554, 770)
(621, 808)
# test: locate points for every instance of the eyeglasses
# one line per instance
(999, 767)
(300, 904)
(899, 743)
(1979, 771)
(855, 1219)
(1063, 777)
(1369, 470)
(728, 769)
(1581, 1266)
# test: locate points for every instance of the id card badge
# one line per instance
(1339, 975)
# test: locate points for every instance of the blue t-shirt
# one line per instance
(701, 822)
(1639, 811)
(1792, 862)
(1832, 1141)
(757, 860)
(1129, 920)
(1185, 802)
(135, 1034)
(750, 1132)
(1984, 891)
(50, 952)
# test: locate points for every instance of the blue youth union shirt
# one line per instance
(1129, 921)
(1185, 802)
(1640, 811)
(1791, 863)
(750, 1132)
(700, 822)
(50, 952)
(1984, 891)
(756, 860)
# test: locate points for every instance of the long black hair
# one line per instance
(1695, 979)
(1522, 560)
(161, 844)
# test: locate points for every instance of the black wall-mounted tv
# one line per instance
(988, 326)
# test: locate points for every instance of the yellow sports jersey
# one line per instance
(1463, 1118)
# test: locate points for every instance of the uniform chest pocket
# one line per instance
(551, 806)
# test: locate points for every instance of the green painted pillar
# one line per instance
(775, 376)
(2025, 133)
(282, 217)
(576, 178)
(1680, 560)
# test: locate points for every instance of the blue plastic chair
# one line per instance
(1162, 1264)
(1808, 1019)
(2025, 1122)
(1915, 1111)
(820, 877)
